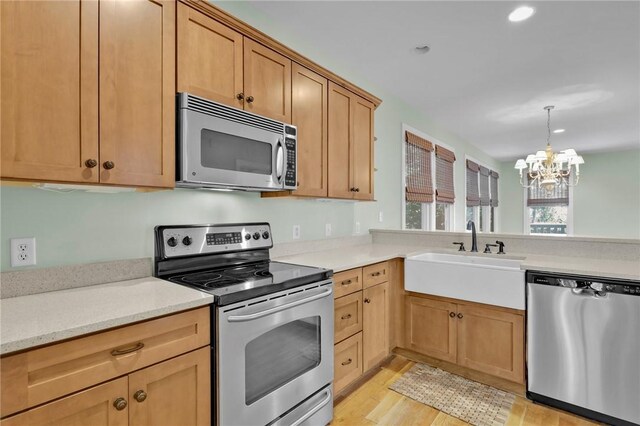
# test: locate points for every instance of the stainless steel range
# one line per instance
(273, 323)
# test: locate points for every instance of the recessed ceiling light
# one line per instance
(521, 13)
(423, 49)
(558, 131)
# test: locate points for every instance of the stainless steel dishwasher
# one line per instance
(583, 345)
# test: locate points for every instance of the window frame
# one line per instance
(526, 219)
(428, 209)
(486, 212)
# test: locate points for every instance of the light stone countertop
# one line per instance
(38, 319)
(341, 259)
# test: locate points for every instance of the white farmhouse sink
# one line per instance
(477, 278)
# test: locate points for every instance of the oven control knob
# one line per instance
(265, 235)
(247, 237)
(172, 242)
(256, 235)
(187, 241)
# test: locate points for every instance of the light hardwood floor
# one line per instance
(374, 403)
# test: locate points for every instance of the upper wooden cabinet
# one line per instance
(309, 114)
(210, 61)
(118, 60)
(222, 65)
(137, 98)
(350, 145)
(49, 86)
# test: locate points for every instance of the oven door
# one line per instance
(216, 152)
(273, 353)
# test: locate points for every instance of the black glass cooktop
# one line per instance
(234, 284)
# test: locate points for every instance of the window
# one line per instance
(548, 212)
(481, 196)
(427, 206)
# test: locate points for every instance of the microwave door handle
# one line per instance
(280, 161)
(260, 314)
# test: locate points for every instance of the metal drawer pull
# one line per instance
(314, 410)
(375, 274)
(346, 316)
(120, 404)
(135, 348)
(256, 315)
(346, 282)
(140, 395)
(347, 362)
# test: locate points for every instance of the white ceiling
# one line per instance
(487, 79)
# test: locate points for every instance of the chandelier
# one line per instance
(547, 168)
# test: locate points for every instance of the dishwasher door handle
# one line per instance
(588, 292)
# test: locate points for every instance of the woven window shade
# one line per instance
(485, 198)
(473, 195)
(559, 196)
(444, 175)
(494, 188)
(419, 185)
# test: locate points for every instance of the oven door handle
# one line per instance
(315, 409)
(260, 314)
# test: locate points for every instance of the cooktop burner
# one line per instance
(238, 283)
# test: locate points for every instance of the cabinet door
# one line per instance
(267, 82)
(309, 114)
(209, 58)
(340, 136)
(375, 325)
(174, 392)
(137, 92)
(491, 341)
(49, 86)
(362, 163)
(430, 328)
(94, 406)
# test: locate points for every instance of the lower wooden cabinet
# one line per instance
(480, 337)
(347, 365)
(95, 406)
(375, 324)
(347, 316)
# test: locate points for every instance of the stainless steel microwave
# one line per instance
(224, 147)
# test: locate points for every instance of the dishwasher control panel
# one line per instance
(601, 285)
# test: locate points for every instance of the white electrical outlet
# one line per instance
(296, 232)
(357, 227)
(23, 251)
(327, 230)
(380, 216)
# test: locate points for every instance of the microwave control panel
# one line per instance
(290, 177)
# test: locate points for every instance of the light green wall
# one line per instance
(606, 200)
(84, 227)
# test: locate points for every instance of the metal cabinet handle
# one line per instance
(120, 404)
(367, 300)
(452, 314)
(134, 348)
(249, 99)
(108, 165)
(140, 395)
(91, 163)
(352, 189)
(346, 282)
(240, 96)
(344, 317)
(357, 189)
(376, 274)
(347, 362)
(460, 315)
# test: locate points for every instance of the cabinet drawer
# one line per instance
(347, 316)
(375, 274)
(36, 376)
(347, 362)
(347, 282)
